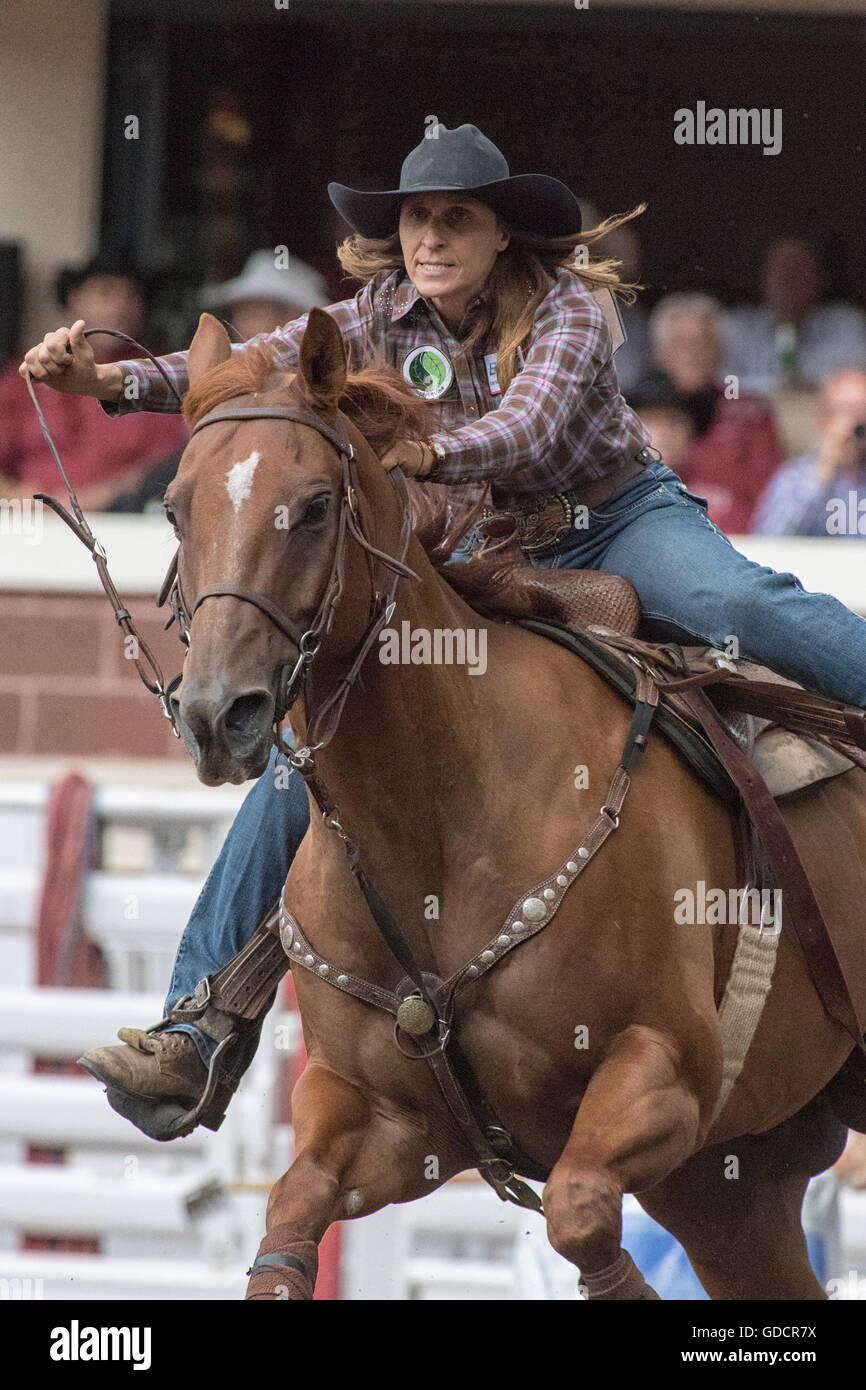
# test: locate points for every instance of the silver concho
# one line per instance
(415, 1016)
(287, 934)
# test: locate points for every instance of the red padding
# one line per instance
(64, 955)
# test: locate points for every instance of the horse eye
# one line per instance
(170, 517)
(315, 511)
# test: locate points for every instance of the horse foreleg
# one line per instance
(351, 1159)
(639, 1119)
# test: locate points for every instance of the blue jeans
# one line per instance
(246, 879)
(693, 585)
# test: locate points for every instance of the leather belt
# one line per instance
(542, 522)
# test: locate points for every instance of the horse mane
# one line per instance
(377, 400)
(385, 409)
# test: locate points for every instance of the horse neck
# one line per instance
(401, 721)
(415, 766)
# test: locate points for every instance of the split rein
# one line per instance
(292, 680)
(143, 658)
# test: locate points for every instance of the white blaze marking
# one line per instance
(239, 480)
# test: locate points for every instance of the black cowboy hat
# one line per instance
(111, 260)
(464, 160)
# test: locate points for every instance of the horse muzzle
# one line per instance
(228, 734)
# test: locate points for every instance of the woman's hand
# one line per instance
(413, 457)
(64, 360)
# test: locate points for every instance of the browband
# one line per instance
(297, 415)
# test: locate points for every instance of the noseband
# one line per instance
(293, 678)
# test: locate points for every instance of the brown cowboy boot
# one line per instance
(156, 1079)
(149, 1065)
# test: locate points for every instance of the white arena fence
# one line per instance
(140, 547)
(175, 1220)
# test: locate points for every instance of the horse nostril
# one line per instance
(247, 714)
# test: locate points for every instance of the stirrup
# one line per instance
(164, 1119)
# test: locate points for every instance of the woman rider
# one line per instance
(475, 288)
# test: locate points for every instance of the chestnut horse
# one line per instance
(460, 790)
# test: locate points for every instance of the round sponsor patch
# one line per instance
(429, 371)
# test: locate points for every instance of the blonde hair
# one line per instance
(517, 283)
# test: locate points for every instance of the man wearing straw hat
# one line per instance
(273, 288)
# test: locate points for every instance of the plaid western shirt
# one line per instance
(561, 422)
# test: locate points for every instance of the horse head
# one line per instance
(288, 530)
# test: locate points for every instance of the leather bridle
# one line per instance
(293, 678)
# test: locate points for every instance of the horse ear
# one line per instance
(210, 346)
(322, 361)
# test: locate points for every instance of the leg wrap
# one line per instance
(285, 1267)
(621, 1280)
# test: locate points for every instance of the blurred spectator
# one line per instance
(632, 358)
(851, 1167)
(792, 339)
(822, 493)
(735, 448)
(103, 458)
(668, 416)
(265, 296)
(260, 299)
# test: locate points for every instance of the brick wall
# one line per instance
(65, 686)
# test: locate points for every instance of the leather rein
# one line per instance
(143, 659)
